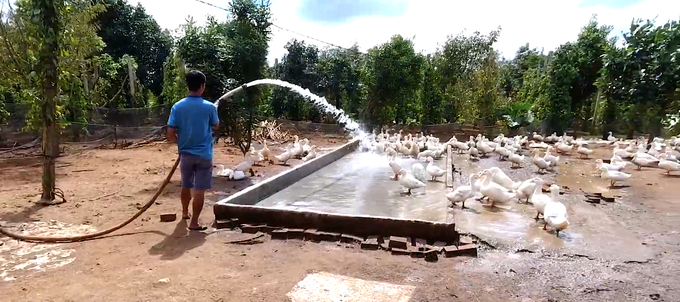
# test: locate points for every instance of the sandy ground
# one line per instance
(153, 261)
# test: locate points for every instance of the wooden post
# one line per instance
(449, 169)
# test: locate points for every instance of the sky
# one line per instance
(541, 23)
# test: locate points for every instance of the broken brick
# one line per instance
(223, 224)
(416, 253)
(295, 233)
(327, 236)
(468, 250)
(431, 256)
(420, 244)
(369, 244)
(385, 245)
(397, 251)
(281, 234)
(377, 238)
(310, 234)
(250, 229)
(398, 242)
(168, 217)
(346, 238)
(450, 251)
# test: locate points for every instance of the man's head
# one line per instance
(196, 82)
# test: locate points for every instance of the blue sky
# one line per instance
(541, 23)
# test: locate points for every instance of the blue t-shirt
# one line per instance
(193, 118)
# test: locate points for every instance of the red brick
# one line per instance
(346, 238)
(168, 217)
(431, 256)
(396, 251)
(281, 234)
(310, 234)
(468, 250)
(295, 233)
(385, 245)
(327, 236)
(250, 229)
(420, 244)
(399, 242)
(377, 238)
(370, 244)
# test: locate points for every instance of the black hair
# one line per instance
(195, 79)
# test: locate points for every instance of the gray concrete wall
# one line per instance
(358, 225)
(260, 191)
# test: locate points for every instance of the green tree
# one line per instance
(431, 94)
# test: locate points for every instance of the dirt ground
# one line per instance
(154, 261)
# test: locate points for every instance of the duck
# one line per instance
(409, 181)
(285, 156)
(669, 165)
(255, 157)
(642, 161)
(474, 153)
(526, 189)
(555, 213)
(419, 172)
(613, 176)
(493, 191)
(311, 154)
(219, 170)
(296, 151)
(503, 179)
(433, 170)
(537, 137)
(583, 152)
(538, 199)
(463, 193)
(396, 167)
(516, 160)
(563, 147)
(611, 167)
(246, 165)
(539, 162)
(305, 147)
(553, 160)
(611, 137)
(265, 152)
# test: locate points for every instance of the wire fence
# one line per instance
(104, 125)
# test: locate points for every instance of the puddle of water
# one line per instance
(18, 256)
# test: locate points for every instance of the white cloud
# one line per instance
(540, 23)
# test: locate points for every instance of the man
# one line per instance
(190, 125)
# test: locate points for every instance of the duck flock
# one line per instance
(496, 187)
(299, 149)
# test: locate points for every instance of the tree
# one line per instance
(130, 30)
(392, 74)
(249, 32)
(431, 95)
(299, 67)
(46, 14)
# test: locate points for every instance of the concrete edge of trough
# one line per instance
(358, 225)
(266, 188)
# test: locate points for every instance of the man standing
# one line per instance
(190, 125)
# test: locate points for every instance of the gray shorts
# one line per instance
(196, 172)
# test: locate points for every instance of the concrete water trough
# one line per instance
(333, 179)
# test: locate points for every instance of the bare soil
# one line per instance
(154, 261)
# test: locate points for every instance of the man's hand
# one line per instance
(171, 135)
(244, 86)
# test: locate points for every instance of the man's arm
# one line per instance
(214, 119)
(171, 135)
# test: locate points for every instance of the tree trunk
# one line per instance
(48, 12)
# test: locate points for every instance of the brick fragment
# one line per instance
(168, 217)
(280, 234)
(398, 242)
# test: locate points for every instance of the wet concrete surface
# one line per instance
(360, 184)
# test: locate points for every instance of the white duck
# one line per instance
(265, 152)
(642, 161)
(474, 153)
(297, 149)
(219, 170)
(409, 181)
(611, 167)
(583, 152)
(433, 170)
(539, 162)
(504, 180)
(419, 172)
(526, 189)
(285, 156)
(563, 147)
(611, 137)
(552, 159)
(538, 199)
(613, 176)
(669, 165)
(555, 213)
(516, 160)
(311, 154)
(463, 193)
(247, 165)
(396, 167)
(494, 191)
